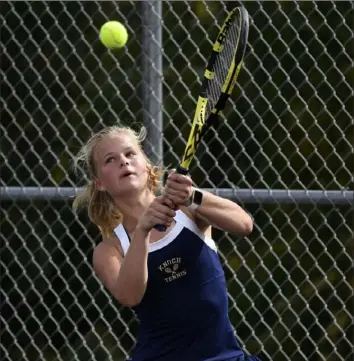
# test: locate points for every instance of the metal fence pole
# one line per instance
(256, 196)
(152, 78)
(285, 151)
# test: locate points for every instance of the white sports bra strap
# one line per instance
(123, 238)
(182, 218)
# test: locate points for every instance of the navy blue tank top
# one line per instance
(184, 312)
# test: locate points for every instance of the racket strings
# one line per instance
(222, 64)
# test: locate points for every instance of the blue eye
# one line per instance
(109, 160)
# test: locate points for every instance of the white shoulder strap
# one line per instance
(123, 238)
(182, 218)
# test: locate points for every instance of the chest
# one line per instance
(185, 262)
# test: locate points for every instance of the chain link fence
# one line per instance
(291, 127)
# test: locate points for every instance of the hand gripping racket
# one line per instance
(218, 82)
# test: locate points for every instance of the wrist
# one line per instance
(195, 200)
(190, 198)
(141, 231)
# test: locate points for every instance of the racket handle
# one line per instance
(160, 227)
(179, 170)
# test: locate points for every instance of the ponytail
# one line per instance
(101, 209)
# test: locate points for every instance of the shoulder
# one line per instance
(107, 260)
(202, 225)
(108, 247)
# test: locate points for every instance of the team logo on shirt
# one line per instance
(172, 269)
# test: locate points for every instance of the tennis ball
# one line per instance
(113, 34)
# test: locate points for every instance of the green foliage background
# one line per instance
(293, 289)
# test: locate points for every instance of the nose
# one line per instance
(123, 162)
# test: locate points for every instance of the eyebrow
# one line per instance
(124, 149)
(107, 154)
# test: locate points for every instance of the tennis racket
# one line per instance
(219, 80)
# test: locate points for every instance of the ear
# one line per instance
(99, 185)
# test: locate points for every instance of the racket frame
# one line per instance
(200, 125)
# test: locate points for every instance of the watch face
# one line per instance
(198, 197)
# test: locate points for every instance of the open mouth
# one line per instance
(127, 174)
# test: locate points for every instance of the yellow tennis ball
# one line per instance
(113, 34)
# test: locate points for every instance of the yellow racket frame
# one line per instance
(199, 120)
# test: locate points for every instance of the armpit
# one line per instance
(204, 226)
(115, 242)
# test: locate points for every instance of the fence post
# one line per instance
(152, 78)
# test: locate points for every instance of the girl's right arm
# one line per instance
(126, 278)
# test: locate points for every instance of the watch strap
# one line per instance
(196, 199)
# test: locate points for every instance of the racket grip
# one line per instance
(160, 227)
(179, 170)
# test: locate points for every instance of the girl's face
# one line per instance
(121, 168)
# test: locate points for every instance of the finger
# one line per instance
(158, 220)
(168, 202)
(162, 199)
(172, 194)
(165, 209)
(171, 171)
(169, 174)
(165, 200)
(177, 186)
(180, 178)
(163, 218)
(178, 200)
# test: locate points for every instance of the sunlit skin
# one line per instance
(121, 170)
(121, 167)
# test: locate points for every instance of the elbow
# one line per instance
(126, 302)
(129, 292)
(127, 298)
(245, 227)
(248, 226)
(129, 304)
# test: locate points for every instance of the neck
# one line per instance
(133, 208)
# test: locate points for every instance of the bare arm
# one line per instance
(223, 214)
(214, 211)
(125, 278)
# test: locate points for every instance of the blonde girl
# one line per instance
(173, 280)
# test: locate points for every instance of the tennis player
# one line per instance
(173, 280)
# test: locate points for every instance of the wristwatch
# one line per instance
(196, 199)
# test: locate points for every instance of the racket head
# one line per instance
(226, 59)
(218, 82)
(219, 79)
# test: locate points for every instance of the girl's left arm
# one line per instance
(213, 210)
(223, 214)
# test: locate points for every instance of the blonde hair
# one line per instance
(102, 210)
